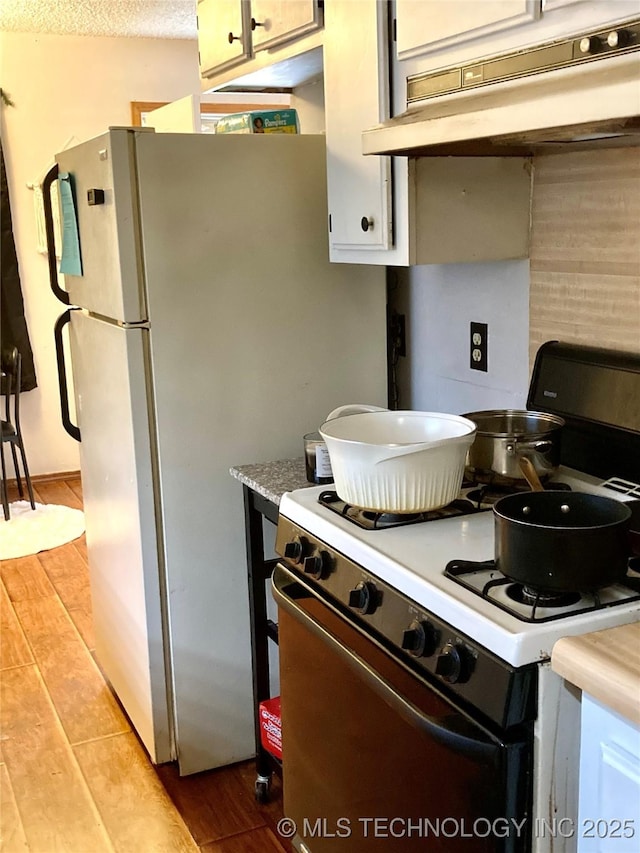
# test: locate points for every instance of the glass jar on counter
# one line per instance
(316, 459)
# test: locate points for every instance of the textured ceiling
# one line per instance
(138, 18)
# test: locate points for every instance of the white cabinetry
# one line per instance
(422, 27)
(222, 34)
(443, 33)
(609, 812)
(406, 211)
(234, 32)
(276, 21)
(356, 96)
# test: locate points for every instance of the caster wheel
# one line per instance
(262, 791)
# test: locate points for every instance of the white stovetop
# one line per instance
(412, 559)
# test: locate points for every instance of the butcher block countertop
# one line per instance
(605, 664)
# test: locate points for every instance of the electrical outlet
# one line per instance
(478, 346)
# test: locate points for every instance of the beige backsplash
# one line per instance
(585, 249)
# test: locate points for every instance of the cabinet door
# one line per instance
(609, 781)
(356, 97)
(426, 27)
(584, 14)
(223, 34)
(276, 21)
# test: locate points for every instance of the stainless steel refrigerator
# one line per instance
(209, 330)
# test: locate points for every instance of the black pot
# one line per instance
(562, 541)
(634, 533)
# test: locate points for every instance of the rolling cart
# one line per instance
(263, 485)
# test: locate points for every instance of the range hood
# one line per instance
(548, 98)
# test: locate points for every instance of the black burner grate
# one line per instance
(372, 520)
(487, 494)
(516, 596)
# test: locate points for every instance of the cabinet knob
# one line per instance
(255, 24)
(233, 38)
(366, 222)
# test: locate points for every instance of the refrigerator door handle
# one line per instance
(61, 322)
(51, 176)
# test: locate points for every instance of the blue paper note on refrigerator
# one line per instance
(71, 261)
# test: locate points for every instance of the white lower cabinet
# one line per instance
(609, 811)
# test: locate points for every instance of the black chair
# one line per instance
(11, 363)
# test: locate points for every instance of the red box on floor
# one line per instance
(271, 726)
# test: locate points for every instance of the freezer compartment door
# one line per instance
(103, 181)
(120, 511)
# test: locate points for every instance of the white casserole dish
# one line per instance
(397, 462)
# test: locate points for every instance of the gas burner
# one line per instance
(372, 520)
(531, 605)
(486, 495)
(389, 519)
(537, 598)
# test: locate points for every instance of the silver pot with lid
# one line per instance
(504, 437)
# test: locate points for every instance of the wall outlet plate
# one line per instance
(478, 346)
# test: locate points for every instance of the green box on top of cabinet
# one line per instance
(259, 121)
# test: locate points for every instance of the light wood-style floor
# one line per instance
(73, 775)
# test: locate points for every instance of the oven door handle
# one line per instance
(446, 730)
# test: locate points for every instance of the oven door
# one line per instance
(377, 759)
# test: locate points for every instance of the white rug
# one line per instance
(31, 530)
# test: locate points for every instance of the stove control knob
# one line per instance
(317, 565)
(297, 549)
(420, 638)
(364, 598)
(453, 663)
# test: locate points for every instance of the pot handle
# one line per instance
(523, 446)
(353, 409)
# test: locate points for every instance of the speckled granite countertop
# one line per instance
(273, 479)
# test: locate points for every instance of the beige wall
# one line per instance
(68, 88)
(308, 100)
(585, 249)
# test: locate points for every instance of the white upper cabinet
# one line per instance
(237, 37)
(444, 33)
(274, 22)
(422, 27)
(356, 96)
(406, 211)
(223, 34)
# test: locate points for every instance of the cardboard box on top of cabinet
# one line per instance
(259, 121)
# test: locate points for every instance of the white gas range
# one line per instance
(412, 558)
(486, 656)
